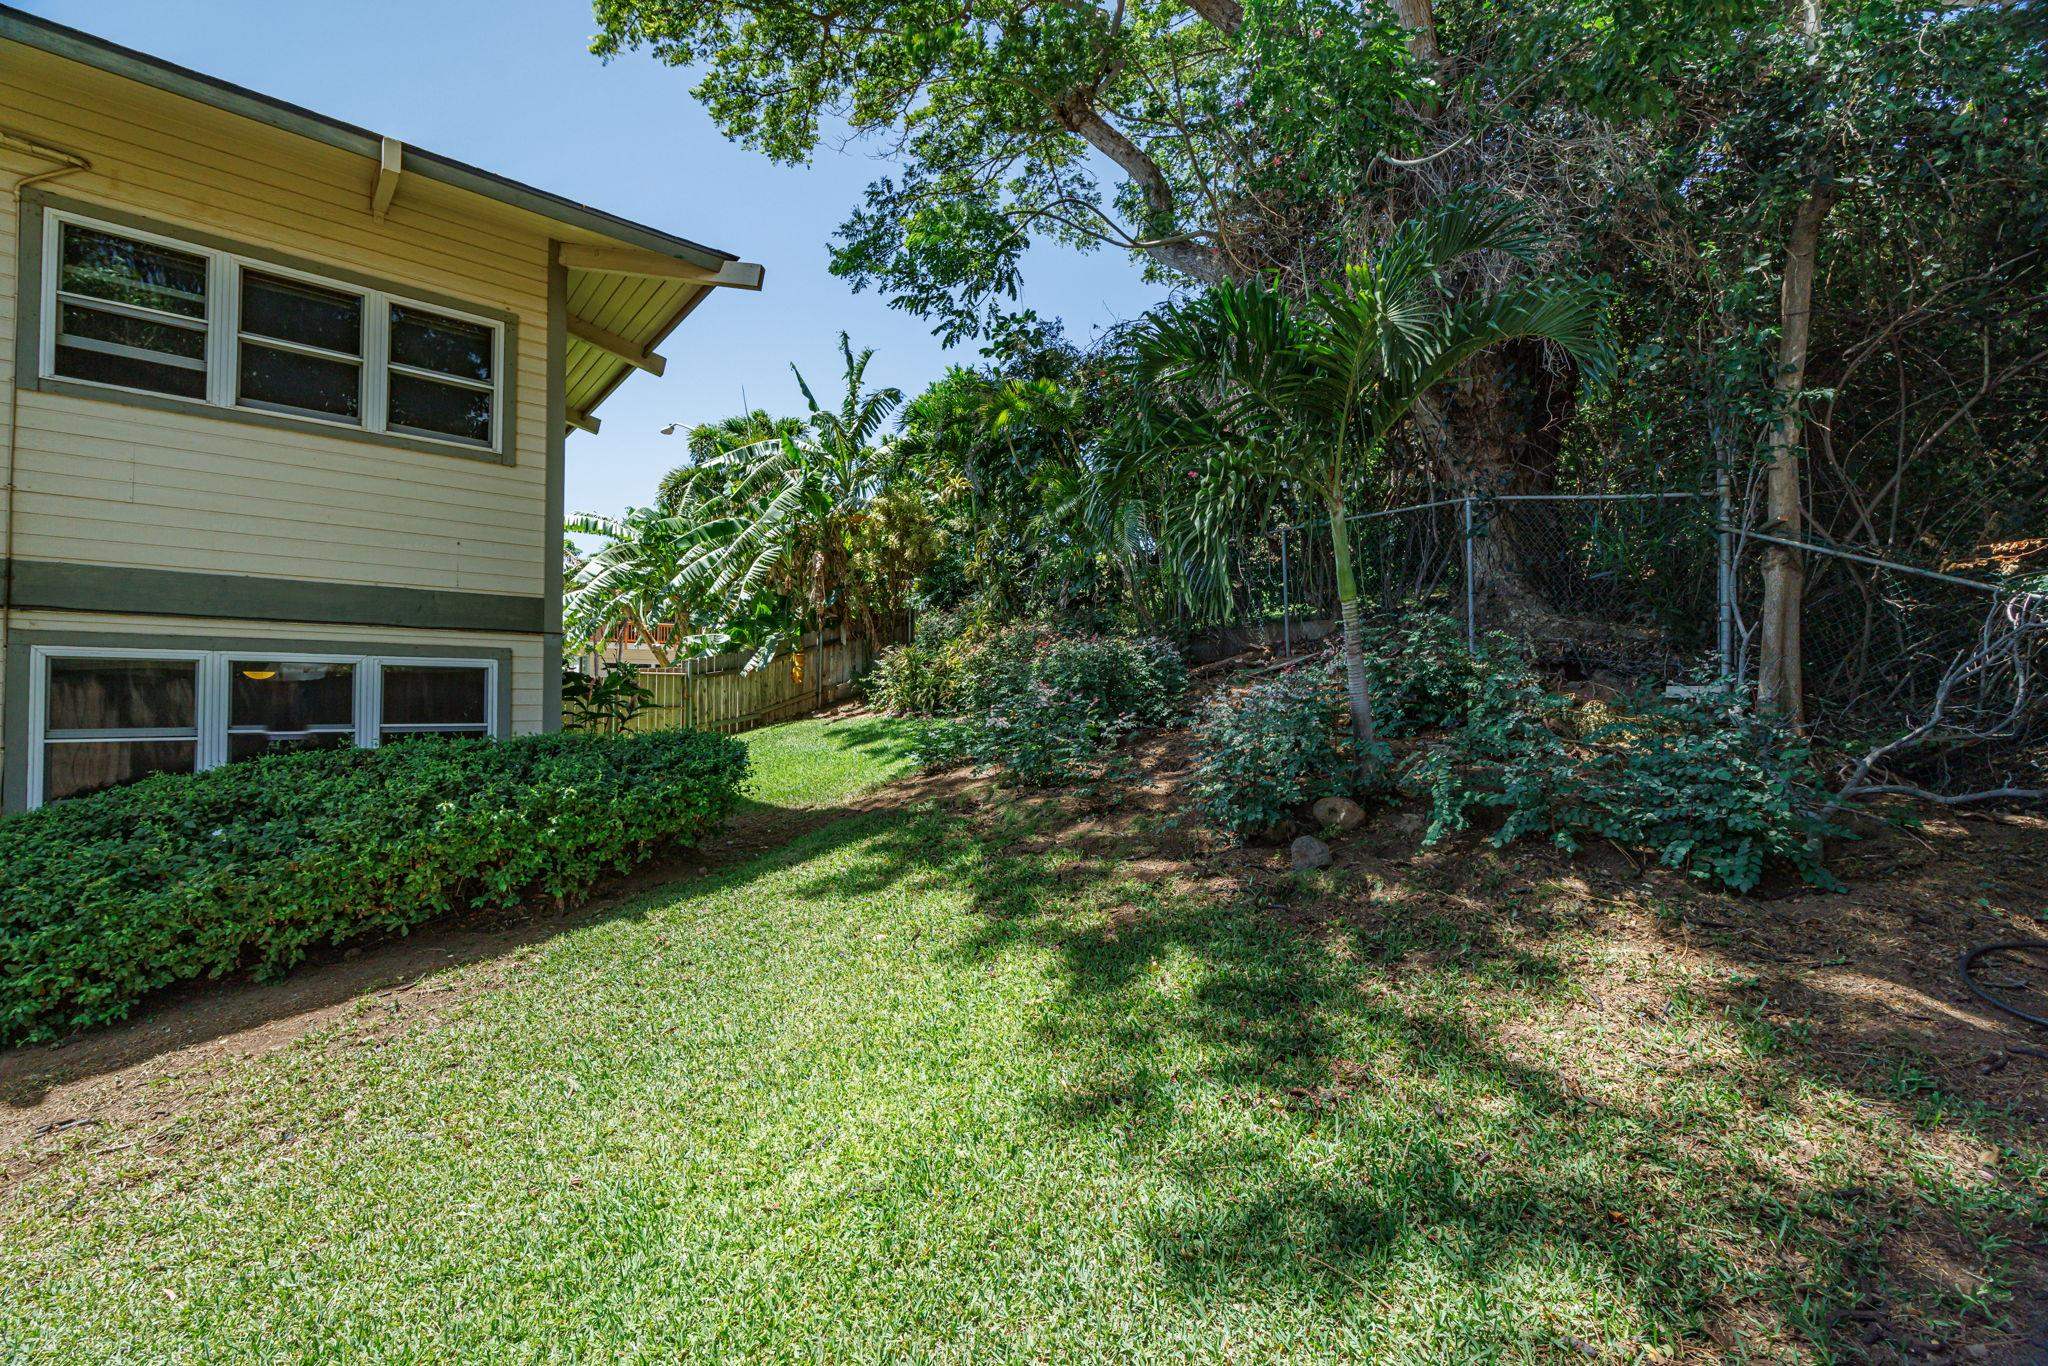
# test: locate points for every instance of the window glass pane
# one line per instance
(73, 768)
(75, 362)
(436, 695)
(276, 706)
(431, 341)
(98, 324)
(109, 267)
(122, 694)
(287, 379)
(291, 310)
(423, 406)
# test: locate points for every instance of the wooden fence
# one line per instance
(713, 693)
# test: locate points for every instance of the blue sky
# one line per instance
(511, 85)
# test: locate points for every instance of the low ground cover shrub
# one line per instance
(179, 876)
(916, 679)
(1043, 707)
(1421, 673)
(1697, 782)
(1264, 753)
(1700, 783)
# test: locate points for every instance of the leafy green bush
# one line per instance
(1422, 675)
(179, 876)
(1276, 746)
(916, 679)
(608, 703)
(1042, 708)
(1700, 783)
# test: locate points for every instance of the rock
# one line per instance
(1341, 812)
(1407, 823)
(1308, 852)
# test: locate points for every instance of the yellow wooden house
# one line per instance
(282, 413)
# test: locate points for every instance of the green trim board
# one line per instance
(14, 742)
(557, 448)
(75, 45)
(55, 586)
(28, 369)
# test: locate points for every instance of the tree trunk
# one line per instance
(1781, 679)
(1418, 17)
(1498, 430)
(1363, 732)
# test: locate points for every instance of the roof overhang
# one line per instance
(627, 291)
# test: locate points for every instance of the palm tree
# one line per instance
(1268, 387)
(776, 515)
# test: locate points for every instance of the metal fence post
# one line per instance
(1724, 585)
(1471, 620)
(1286, 603)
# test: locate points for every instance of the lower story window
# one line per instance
(108, 717)
(111, 720)
(276, 705)
(434, 699)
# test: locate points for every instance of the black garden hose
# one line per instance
(2038, 946)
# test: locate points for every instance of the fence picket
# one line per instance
(714, 693)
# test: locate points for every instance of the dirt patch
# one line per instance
(149, 1068)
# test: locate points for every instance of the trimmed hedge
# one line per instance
(107, 897)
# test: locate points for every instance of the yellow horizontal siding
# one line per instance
(105, 482)
(289, 182)
(183, 451)
(12, 168)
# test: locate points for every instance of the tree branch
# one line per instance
(1079, 117)
(1227, 15)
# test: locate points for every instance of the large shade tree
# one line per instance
(1210, 140)
(1303, 391)
(1833, 204)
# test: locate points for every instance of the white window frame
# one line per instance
(213, 694)
(224, 338)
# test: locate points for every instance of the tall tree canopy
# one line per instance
(1819, 220)
(1203, 138)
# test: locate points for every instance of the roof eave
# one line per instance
(72, 44)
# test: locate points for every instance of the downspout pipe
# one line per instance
(68, 163)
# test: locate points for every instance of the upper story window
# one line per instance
(301, 348)
(130, 313)
(142, 312)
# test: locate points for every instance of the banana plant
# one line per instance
(773, 518)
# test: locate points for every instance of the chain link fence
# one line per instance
(1937, 675)
(1621, 584)
(1940, 671)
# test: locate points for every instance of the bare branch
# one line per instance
(2006, 652)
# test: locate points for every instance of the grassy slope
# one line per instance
(907, 1088)
(818, 762)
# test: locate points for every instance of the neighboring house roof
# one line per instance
(626, 291)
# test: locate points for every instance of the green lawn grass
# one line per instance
(818, 762)
(918, 1087)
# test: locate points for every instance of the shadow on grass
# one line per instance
(1341, 1112)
